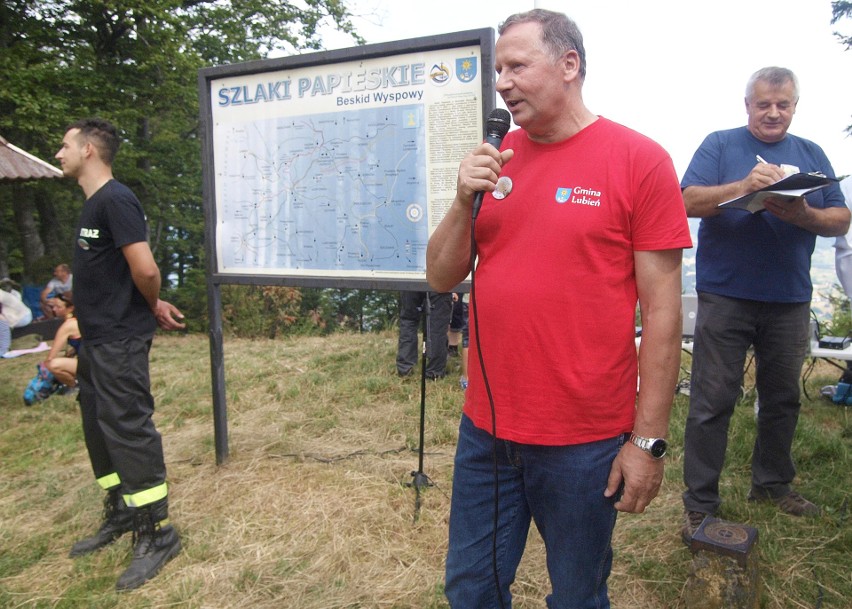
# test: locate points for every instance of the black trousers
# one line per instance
(411, 310)
(116, 405)
(725, 328)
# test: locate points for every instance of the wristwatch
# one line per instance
(656, 447)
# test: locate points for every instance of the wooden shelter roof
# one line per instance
(17, 165)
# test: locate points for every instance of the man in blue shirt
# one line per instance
(754, 289)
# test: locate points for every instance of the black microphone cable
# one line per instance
(496, 129)
(493, 412)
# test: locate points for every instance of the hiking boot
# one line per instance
(118, 520)
(691, 522)
(155, 542)
(792, 503)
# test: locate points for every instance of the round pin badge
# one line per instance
(503, 188)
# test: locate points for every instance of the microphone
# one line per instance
(496, 128)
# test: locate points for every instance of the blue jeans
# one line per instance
(5, 336)
(725, 328)
(561, 488)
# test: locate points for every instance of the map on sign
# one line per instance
(337, 172)
(340, 191)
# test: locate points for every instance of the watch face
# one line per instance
(658, 448)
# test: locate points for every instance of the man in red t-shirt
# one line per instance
(586, 220)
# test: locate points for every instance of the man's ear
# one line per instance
(571, 65)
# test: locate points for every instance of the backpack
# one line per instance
(842, 394)
(41, 387)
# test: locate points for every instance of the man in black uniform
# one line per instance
(116, 293)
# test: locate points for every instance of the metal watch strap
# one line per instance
(647, 444)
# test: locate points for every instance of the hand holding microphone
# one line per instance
(496, 128)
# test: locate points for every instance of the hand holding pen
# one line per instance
(789, 211)
(761, 175)
(787, 169)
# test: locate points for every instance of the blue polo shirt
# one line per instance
(755, 256)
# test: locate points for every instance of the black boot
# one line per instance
(118, 519)
(155, 542)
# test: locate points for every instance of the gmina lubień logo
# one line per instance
(578, 196)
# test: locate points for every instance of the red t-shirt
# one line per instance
(555, 289)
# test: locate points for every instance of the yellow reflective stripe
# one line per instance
(143, 498)
(109, 481)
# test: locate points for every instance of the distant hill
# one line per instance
(823, 274)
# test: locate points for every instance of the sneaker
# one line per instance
(691, 522)
(792, 503)
(828, 392)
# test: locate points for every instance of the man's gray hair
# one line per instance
(774, 77)
(559, 34)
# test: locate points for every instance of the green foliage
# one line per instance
(330, 310)
(191, 299)
(266, 312)
(136, 64)
(840, 10)
(252, 311)
(840, 323)
(270, 311)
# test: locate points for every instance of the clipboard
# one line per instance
(788, 189)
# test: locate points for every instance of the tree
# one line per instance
(30, 102)
(842, 9)
(134, 63)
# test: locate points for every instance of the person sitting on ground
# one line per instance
(61, 283)
(62, 359)
(15, 311)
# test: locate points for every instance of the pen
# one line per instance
(760, 159)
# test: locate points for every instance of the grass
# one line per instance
(314, 507)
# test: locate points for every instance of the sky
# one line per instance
(673, 70)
